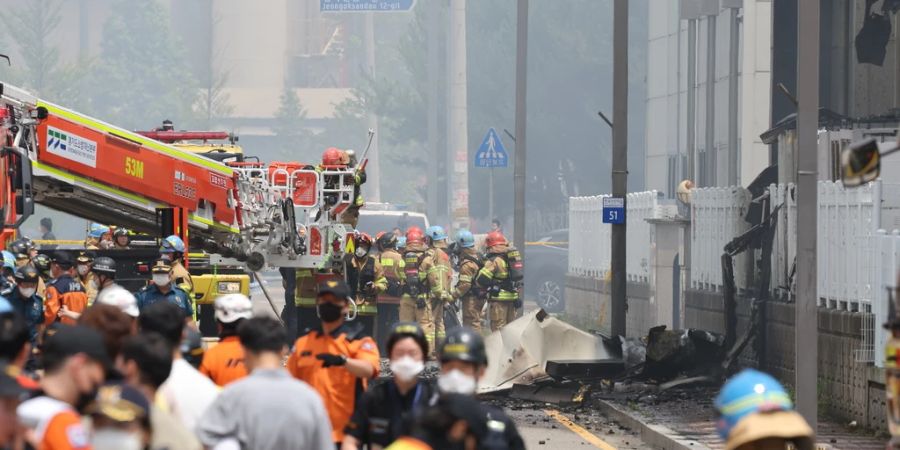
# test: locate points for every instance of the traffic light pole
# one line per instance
(618, 295)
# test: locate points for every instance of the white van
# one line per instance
(377, 217)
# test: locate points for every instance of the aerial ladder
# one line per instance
(248, 211)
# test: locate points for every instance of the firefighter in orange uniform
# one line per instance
(337, 359)
(66, 299)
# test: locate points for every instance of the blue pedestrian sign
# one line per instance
(613, 210)
(491, 153)
(366, 5)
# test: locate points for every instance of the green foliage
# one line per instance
(142, 71)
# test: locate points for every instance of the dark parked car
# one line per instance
(546, 264)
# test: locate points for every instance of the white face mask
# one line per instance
(456, 382)
(83, 269)
(360, 252)
(112, 439)
(160, 279)
(406, 368)
(26, 292)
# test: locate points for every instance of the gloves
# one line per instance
(331, 360)
(369, 288)
(493, 291)
(517, 304)
(420, 302)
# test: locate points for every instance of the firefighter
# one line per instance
(66, 299)
(463, 359)
(331, 160)
(163, 288)
(393, 265)
(83, 268)
(121, 239)
(494, 276)
(224, 363)
(95, 233)
(366, 280)
(414, 306)
(337, 359)
(305, 300)
(351, 215)
(42, 264)
(104, 271)
(755, 411)
(19, 249)
(472, 296)
(436, 274)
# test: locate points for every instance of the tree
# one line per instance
(213, 101)
(31, 27)
(142, 77)
(290, 132)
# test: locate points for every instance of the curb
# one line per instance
(656, 435)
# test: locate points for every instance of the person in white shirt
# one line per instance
(187, 393)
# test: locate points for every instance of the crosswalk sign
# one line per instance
(491, 153)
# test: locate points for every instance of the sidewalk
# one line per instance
(689, 417)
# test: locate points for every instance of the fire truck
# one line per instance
(243, 210)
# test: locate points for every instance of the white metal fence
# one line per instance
(717, 217)
(589, 237)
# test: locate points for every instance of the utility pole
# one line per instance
(618, 294)
(374, 167)
(733, 55)
(459, 131)
(521, 125)
(692, 101)
(432, 67)
(806, 314)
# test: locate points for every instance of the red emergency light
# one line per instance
(175, 136)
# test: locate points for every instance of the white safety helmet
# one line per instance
(120, 298)
(232, 307)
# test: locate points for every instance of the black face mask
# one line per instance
(329, 312)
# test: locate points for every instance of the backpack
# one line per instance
(514, 264)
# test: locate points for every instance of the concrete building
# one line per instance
(708, 91)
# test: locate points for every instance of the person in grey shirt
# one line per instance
(269, 409)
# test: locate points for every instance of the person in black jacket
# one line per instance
(386, 411)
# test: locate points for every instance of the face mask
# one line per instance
(165, 257)
(456, 382)
(361, 251)
(329, 312)
(27, 292)
(113, 439)
(160, 279)
(82, 269)
(406, 368)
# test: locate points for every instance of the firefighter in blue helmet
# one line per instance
(755, 412)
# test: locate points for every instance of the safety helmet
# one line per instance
(401, 242)
(120, 232)
(412, 330)
(41, 263)
(351, 157)
(436, 233)
(463, 344)
(19, 248)
(9, 260)
(97, 230)
(332, 157)
(465, 238)
(386, 241)
(229, 308)
(84, 258)
(363, 239)
(345, 158)
(120, 298)
(27, 274)
(748, 392)
(105, 265)
(414, 236)
(172, 244)
(494, 238)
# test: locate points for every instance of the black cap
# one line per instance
(63, 259)
(27, 274)
(120, 402)
(338, 288)
(464, 344)
(72, 340)
(9, 386)
(161, 266)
